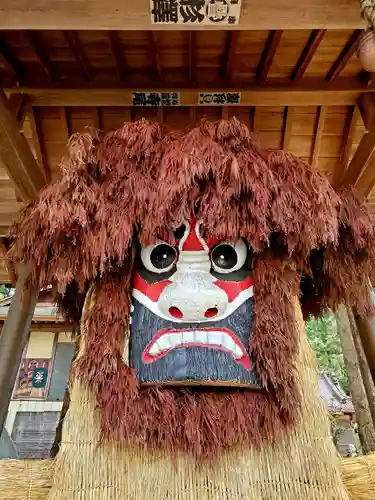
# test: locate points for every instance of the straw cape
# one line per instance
(137, 184)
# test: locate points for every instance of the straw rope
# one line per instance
(32, 479)
(25, 479)
(302, 465)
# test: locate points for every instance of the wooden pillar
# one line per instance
(364, 367)
(366, 329)
(13, 337)
(359, 397)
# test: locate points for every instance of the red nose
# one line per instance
(211, 312)
(175, 312)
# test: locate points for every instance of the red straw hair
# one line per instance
(138, 182)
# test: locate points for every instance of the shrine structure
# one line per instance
(216, 190)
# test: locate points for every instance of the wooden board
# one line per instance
(122, 15)
(256, 96)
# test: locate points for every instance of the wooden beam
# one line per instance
(38, 142)
(16, 156)
(39, 49)
(268, 55)
(14, 336)
(225, 113)
(114, 42)
(229, 54)
(308, 52)
(10, 270)
(154, 51)
(9, 211)
(318, 135)
(346, 54)
(135, 15)
(18, 104)
(366, 106)
(366, 329)
(11, 62)
(346, 144)
(287, 126)
(192, 57)
(79, 54)
(192, 116)
(357, 389)
(361, 171)
(250, 96)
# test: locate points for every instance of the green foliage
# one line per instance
(324, 339)
(5, 291)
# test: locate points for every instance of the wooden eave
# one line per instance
(302, 89)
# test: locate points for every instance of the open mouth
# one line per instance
(214, 338)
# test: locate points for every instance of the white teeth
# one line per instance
(155, 349)
(188, 337)
(131, 308)
(175, 339)
(201, 337)
(130, 320)
(217, 338)
(165, 342)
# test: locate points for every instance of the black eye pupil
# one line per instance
(163, 256)
(224, 256)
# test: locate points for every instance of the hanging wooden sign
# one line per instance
(155, 99)
(219, 98)
(195, 12)
(32, 379)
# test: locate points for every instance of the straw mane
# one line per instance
(139, 182)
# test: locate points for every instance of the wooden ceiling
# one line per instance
(301, 90)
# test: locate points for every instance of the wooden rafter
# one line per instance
(361, 171)
(66, 122)
(192, 57)
(268, 55)
(308, 52)
(115, 45)
(229, 54)
(10, 269)
(346, 144)
(225, 113)
(40, 51)
(98, 117)
(16, 156)
(11, 62)
(318, 135)
(287, 126)
(192, 116)
(154, 50)
(135, 15)
(79, 54)
(250, 95)
(8, 214)
(346, 54)
(366, 106)
(38, 141)
(18, 104)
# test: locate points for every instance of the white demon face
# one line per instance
(192, 304)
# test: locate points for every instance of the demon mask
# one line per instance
(192, 304)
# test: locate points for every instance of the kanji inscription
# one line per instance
(219, 98)
(198, 12)
(155, 99)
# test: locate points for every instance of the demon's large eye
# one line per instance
(159, 258)
(227, 258)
